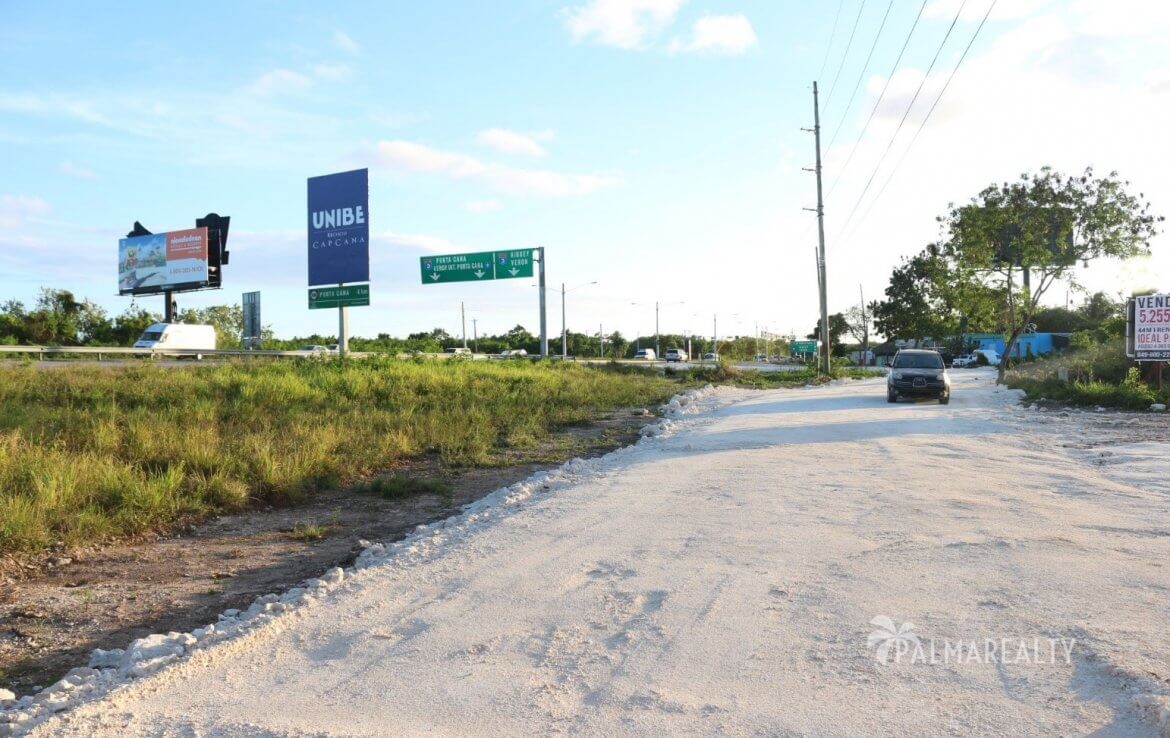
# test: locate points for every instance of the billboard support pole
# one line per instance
(543, 312)
(342, 329)
(169, 311)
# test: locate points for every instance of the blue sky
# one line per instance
(651, 146)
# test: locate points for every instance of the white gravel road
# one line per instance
(729, 574)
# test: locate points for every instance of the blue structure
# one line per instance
(1041, 344)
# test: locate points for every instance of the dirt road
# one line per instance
(809, 561)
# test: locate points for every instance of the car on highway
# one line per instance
(646, 353)
(710, 357)
(918, 373)
(675, 354)
(514, 354)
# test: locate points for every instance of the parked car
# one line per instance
(675, 354)
(918, 373)
(964, 360)
(647, 354)
(514, 354)
(710, 357)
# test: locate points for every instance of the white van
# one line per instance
(647, 354)
(178, 337)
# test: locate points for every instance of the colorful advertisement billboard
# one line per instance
(339, 228)
(176, 260)
(1151, 327)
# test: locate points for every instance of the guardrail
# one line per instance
(101, 352)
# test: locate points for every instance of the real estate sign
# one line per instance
(1150, 328)
(176, 260)
(339, 228)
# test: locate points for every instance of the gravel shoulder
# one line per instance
(55, 609)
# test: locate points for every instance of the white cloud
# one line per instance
(343, 41)
(407, 156)
(621, 23)
(511, 142)
(16, 209)
(414, 241)
(281, 81)
(719, 34)
(484, 206)
(334, 72)
(73, 170)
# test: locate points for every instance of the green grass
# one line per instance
(1100, 376)
(89, 454)
(398, 487)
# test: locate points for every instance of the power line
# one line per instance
(861, 76)
(922, 125)
(833, 86)
(832, 36)
(905, 115)
(881, 97)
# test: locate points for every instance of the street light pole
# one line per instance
(564, 330)
(657, 338)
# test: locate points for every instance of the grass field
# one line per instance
(92, 453)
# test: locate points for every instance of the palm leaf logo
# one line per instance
(889, 635)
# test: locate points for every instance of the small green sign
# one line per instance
(804, 347)
(480, 266)
(515, 263)
(351, 295)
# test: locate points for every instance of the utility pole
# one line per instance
(463, 318)
(657, 340)
(601, 339)
(864, 328)
(543, 314)
(822, 279)
(475, 334)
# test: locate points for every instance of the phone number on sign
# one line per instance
(1153, 315)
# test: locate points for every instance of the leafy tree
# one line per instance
(55, 321)
(1017, 239)
(838, 327)
(130, 324)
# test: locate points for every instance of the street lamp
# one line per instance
(564, 330)
(657, 335)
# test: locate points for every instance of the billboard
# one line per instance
(339, 228)
(1150, 328)
(176, 260)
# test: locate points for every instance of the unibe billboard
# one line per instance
(339, 228)
(158, 262)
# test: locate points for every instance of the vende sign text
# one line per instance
(1151, 327)
(339, 231)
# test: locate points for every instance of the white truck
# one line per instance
(180, 337)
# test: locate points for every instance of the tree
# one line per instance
(857, 323)
(1017, 239)
(838, 326)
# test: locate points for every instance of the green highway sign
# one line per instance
(477, 267)
(352, 295)
(804, 347)
(515, 263)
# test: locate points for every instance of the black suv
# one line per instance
(918, 373)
